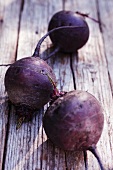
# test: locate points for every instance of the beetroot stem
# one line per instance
(86, 15)
(95, 153)
(52, 53)
(37, 49)
(5, 65)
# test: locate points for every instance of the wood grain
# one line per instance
(106, 25)
(9, 24)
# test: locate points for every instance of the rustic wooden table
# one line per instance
(20, 21)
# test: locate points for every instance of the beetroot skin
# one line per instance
(28, 83)
(70, 39)
(74, 121)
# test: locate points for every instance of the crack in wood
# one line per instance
(66, 161)
(6, 136)
(98, 15)
(72, 69)
(19, 23)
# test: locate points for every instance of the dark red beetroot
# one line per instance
(75, 122)
(68, 40)
(29, 85)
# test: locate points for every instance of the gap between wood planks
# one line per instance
(21, 10)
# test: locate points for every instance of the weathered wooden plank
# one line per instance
(91, 75)
(105, 16)
(9, 14)
(9, 23)
(3, 122)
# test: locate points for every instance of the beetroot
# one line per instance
(28, 83)
(75, 122)
(68, 40)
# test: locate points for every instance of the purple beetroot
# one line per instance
(28, 83)
(75, 122)
(72, 39)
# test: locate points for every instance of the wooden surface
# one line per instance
(20, 20)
